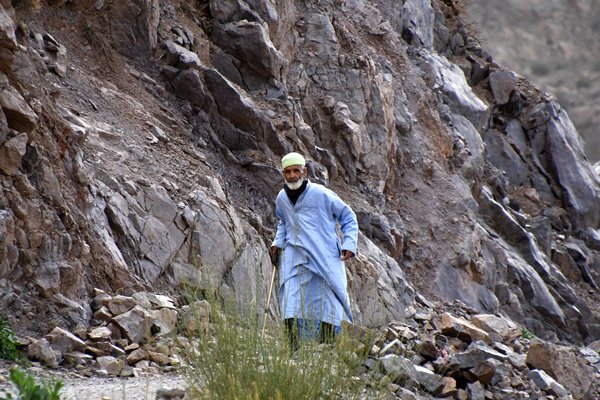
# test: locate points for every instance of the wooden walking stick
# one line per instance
(274, 259)
(268, 302)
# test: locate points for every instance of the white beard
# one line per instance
(294, 185)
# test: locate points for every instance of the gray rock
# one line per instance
(120, 304)
(562, 364)
(321, 39)
(100, 333)
(393, 347)
(476, 391)
(387, 285)
(136, 324)
(165, 321)
(502, 83)
(73, 313)
(251, 274)
(428, 380)
(234, 10)
(417, 23)
(217, 236)
(476, 354)
(242, 112)
(226, 65)
(136, 356)
(3, 127)
(47, 278)
(498, 328)
(449, 79)
(159, 133)
(575, 176)
(42, 351)
(188, 85)
(180, 57)
(111, 365)
(152, 301)
(592, 238)
(407, 156)
(103, 314)
(249, 42)
(195, 318)
(462, 329)
(399, 369)
(7, 27)
(470, 147)
(503, 155)
(77, 359)
(63, 341)
(157, 247)
(11, 154)
(19, 115)
(170, 394)
(536, 291)
(547, 383)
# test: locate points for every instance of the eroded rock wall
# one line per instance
(147, 158)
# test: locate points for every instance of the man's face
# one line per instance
(294, 176)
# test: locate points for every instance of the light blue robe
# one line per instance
(312, 277)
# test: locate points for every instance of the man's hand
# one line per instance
(275, 251)
(346, 255)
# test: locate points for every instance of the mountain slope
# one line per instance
(141, 146)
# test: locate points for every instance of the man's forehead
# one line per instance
(294, 168)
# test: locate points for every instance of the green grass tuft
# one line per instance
(527, 334)
(28, 389)
(8, 342)
(233, 360)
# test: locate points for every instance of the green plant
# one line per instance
(233, 360)
(527, 334)
(27, 388)
(8, 341)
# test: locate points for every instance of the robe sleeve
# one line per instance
(348, 223)
(280, 234)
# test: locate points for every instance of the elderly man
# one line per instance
(313, 287)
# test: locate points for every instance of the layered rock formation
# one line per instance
(141, 141)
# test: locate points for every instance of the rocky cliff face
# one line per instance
(140, 146)
(555, 44)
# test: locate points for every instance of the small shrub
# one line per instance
(527, 334)
(8, 341)
(27, 389)
(235, 361)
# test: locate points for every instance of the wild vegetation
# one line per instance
(26, 388)
(234, 360)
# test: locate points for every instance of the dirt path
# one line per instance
(119, 389)
(78, 387)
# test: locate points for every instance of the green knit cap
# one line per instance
(292, 159)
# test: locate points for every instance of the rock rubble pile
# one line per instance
(451, 351)
(442, 350)
(127, 335)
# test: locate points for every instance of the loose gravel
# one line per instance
(80, 387)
